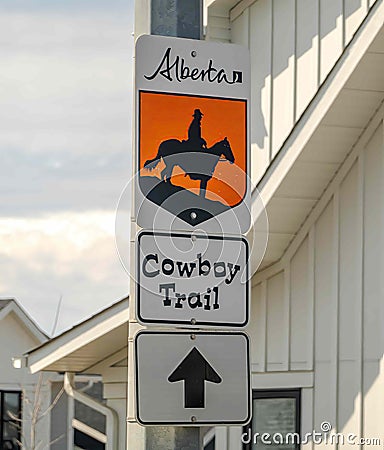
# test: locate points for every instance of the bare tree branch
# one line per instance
(52, 405)
(55, 440)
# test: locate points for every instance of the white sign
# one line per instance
(185, 378)
(192, 280)
(192, 135)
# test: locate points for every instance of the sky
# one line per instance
(65, 153)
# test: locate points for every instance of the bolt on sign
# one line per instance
(192, 280)
(192, 135)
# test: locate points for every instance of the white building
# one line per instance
(35, 411)
(97, 346)
(318, 161)
(18, 333)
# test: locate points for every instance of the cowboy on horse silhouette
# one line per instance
(186, 155)
(195, 141)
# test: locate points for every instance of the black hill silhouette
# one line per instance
(179, 201)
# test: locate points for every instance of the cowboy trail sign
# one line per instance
(192, 279)
(192, 135)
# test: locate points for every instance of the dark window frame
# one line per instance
(276, 393)
(10, 420)
(211, 442)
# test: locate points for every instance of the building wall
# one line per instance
(317, 315)
(18, 339)
(59, 419)
(293, 45)
(114, 371)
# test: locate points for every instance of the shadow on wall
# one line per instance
(298, 42)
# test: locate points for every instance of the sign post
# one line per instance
(192, 202)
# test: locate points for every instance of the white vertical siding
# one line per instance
(260, 35)
(331, 34)
(350, 273)
(325, 316)
(307, 53)
(373, 388)
(301, 337)
(373, 248)
(240, 29)
(218, 27)
(257, 327)
(333, 287)
(373, 391)
(283, 51)
(307, 418)
(354, 13)
(276, 323)
(294, 44)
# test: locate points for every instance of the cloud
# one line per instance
(69, 254)
(36, 183)
(74, 76)
(65, 152)
(78, 6)
(65, 115)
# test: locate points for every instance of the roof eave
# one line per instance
(55, 354)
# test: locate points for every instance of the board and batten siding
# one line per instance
(317, 315)
(294, 44)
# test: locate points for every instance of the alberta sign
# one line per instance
(192, 135)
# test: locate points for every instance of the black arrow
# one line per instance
(194, 370)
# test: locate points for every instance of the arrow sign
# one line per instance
(165, 357)
(194, 370)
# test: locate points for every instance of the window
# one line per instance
(85, 442)
(10, 425)
(181, 18)
(277, 413)
(210, 445)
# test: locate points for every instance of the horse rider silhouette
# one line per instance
(195, 142)
(192, 156)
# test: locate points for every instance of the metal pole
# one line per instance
(173, 438)
(188, 438)
(135, 432)
(138, 437)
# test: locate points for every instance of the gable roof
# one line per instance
(8, 305)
